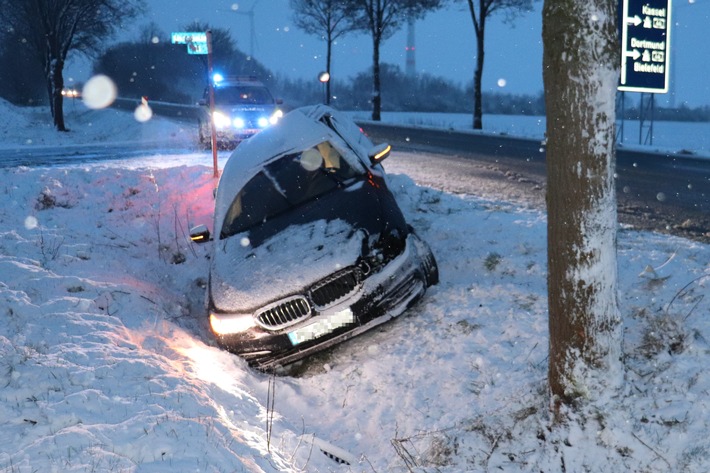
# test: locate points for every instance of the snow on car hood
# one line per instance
(244, 278)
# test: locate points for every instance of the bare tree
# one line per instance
(581, 72)
(54, 28)
(480, 11)
(329, 19)
(382, 18)
(151, 33)
(21, 76)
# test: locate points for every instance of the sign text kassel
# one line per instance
(645, 45)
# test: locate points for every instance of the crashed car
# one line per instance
(309, 247)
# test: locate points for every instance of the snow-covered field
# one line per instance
(106, 362)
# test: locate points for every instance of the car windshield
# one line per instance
(254, 95)
(287, 183)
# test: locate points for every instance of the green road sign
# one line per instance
(188, 37)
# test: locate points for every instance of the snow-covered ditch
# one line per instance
(107, 364)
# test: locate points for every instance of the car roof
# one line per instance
(239, 83)
(239, 80)
(298, 130)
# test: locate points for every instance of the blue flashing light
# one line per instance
(217, 77)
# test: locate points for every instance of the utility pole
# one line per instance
(211, 94)
(250, 15)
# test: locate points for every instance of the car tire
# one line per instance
(431, 268)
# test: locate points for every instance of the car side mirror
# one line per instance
(202, 102)
(279, 101)
(379, 152)
(200, 234)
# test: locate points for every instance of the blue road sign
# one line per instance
(645, 45)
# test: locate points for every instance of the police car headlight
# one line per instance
(263, 122)
(239, 122)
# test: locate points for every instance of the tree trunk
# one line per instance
(376, 97)
(56, 98)
(479, 27)
(477, 79)
(580, 72)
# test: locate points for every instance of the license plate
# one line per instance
(322, 326)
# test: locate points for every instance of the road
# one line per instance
(78, 154)
(666, 193)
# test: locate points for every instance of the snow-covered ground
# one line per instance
(107, 364)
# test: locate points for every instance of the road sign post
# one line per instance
(645, 45)
(211, 93)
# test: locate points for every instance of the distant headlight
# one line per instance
(239, 123)
(263, 122)
(220, 120)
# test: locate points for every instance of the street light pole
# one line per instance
(210, 86)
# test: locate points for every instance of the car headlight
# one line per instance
(220, 120)
(263, 122)
(223, 324)
(275, 117)
(239, 123)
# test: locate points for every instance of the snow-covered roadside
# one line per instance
(32, 127)
(106, 363)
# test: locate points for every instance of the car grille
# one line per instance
(336, 286)
(284, 313)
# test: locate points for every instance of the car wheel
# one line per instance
(431, 268)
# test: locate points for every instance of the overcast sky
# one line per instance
(445, 44)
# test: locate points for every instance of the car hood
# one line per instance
(288, 254)
(244, 277)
